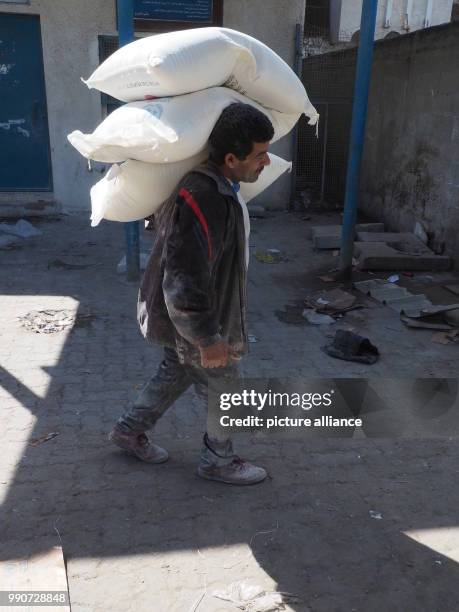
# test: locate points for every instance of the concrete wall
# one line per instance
(70, 50)
(349, 12)
(70, 30)
(410, 169)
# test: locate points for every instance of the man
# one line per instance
(193, 295)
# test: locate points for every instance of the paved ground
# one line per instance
(345, 524)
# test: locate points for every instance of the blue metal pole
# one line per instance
(125, 12)
(359, 115)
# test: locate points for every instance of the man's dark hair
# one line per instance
(237, 128)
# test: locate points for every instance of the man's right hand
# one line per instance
(216, 355)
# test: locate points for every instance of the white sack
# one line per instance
(183, 62)
(270, 174)
(166, 130)
(134, 190)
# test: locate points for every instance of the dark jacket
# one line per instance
(194, 288)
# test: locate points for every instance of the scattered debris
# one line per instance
(270, 256)
(21, 229)
(327, 279)
(332, 302)
(252, 339)
(349, 346)
(375, 515)
(441, 318)
(37, 441)
(121, 267)
(446, 337)
(253, 598)
(315, 318)
(63, 265)
(393, 279)
(52, 321)
(396, 297)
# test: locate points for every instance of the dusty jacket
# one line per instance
(194, 287)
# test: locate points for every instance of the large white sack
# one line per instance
(270, 174)
(134, 190)
(183, 62)
(168, 129)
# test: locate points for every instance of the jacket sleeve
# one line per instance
(194, 242)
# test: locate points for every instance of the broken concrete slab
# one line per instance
(329, 236)
(382, 256)
(397, 298)
(403, 242)
(413, 302)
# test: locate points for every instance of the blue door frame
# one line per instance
(25, 155)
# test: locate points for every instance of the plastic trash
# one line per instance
(21, 229)
(315, 318)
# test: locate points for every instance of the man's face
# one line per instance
(249, 169)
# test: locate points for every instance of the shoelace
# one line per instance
(239, 462)
(142, 439)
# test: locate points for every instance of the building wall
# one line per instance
(70, 30)
(410, 169)
(70, 50)
(346, 17)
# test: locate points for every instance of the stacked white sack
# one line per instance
(134, 190)
(182, 62)
(168, 129)
(172, 83)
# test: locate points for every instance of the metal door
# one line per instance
(25, 163)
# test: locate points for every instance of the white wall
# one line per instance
(350, 12)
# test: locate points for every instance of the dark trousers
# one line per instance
(170, 381)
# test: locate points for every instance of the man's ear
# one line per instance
(230, 160)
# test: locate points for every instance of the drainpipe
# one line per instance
(388, 14)
(408, 12)
(359, 114)
(298, 63)
(125, 12)
(428, 18)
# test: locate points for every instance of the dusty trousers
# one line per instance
(170, 381)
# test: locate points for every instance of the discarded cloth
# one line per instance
(351, 347)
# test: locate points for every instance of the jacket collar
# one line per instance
(210, 169)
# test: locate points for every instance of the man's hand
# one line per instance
(216, 355)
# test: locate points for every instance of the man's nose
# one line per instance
(267, 161)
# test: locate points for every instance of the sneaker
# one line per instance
(139, 445)
(219, 463)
